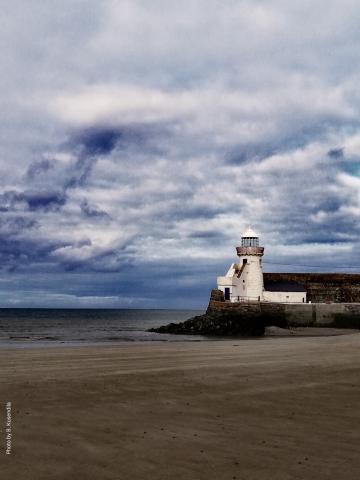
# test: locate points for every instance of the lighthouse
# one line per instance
(244, 281)
(250, 282)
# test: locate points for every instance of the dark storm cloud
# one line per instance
(44, 200)
(336, 153)
(90, 144)
(209, 234)
(80, 172)
(98, 141)
(12, 200)
(110, 261)
(92, 211)
(18, 253)
(102, 140)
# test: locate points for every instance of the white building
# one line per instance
(244, 280)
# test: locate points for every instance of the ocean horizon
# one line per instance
(28, 327)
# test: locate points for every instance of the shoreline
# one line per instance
(270, 332)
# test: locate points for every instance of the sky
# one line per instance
(139, 139)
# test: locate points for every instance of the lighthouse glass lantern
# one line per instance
(250, 241)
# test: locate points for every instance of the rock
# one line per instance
(217, 295)
(225, 323)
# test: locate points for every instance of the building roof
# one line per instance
(283, 287)
(249, 233)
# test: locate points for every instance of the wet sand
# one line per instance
(273, 408)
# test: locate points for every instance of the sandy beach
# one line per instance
(272, 408)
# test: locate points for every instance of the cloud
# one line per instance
(142, 142)
(37, 168)
(336, 153)
(12, 200)
(92, 211)
(98, 141)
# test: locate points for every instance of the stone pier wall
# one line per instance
(341, 315)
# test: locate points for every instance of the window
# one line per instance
(250, 242)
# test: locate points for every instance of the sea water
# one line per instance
(43, 327)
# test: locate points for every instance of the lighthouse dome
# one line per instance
(249, 233)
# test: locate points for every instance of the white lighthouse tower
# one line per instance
(244, 280)
(250, 274)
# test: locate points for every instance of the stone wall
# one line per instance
(323, 287)
(344, 315)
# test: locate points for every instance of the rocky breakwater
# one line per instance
(221, 319)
